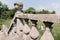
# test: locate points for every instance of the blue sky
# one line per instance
(37, 4)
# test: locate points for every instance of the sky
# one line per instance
(51, 5)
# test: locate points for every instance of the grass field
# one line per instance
(55, 30)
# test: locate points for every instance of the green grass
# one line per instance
(5, 22)
(55, 30)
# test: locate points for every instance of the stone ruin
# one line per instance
(20, 30)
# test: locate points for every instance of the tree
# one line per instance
(46, 12)
(8, 14)
(53, 12)
(0, 3)
(30, 10)
(12, 12)
(0, 7)
(0, 11)
(5, 7)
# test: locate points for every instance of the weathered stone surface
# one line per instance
(47, 35)
(18, 5)
(13, 37)
(34, 32)
(17, 32)
(26, 29)
(20, 36)
(18, 13)
(42, 17)
(26, 37)
(20, 33)
(4, 29)
(31, 39)
(13, 31)
(19, 29)
(2, 36)
(19, 25)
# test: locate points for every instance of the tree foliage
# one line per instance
(5, 12)
(5, 7)
(0, 3)
(46, 12)
(30, 10)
